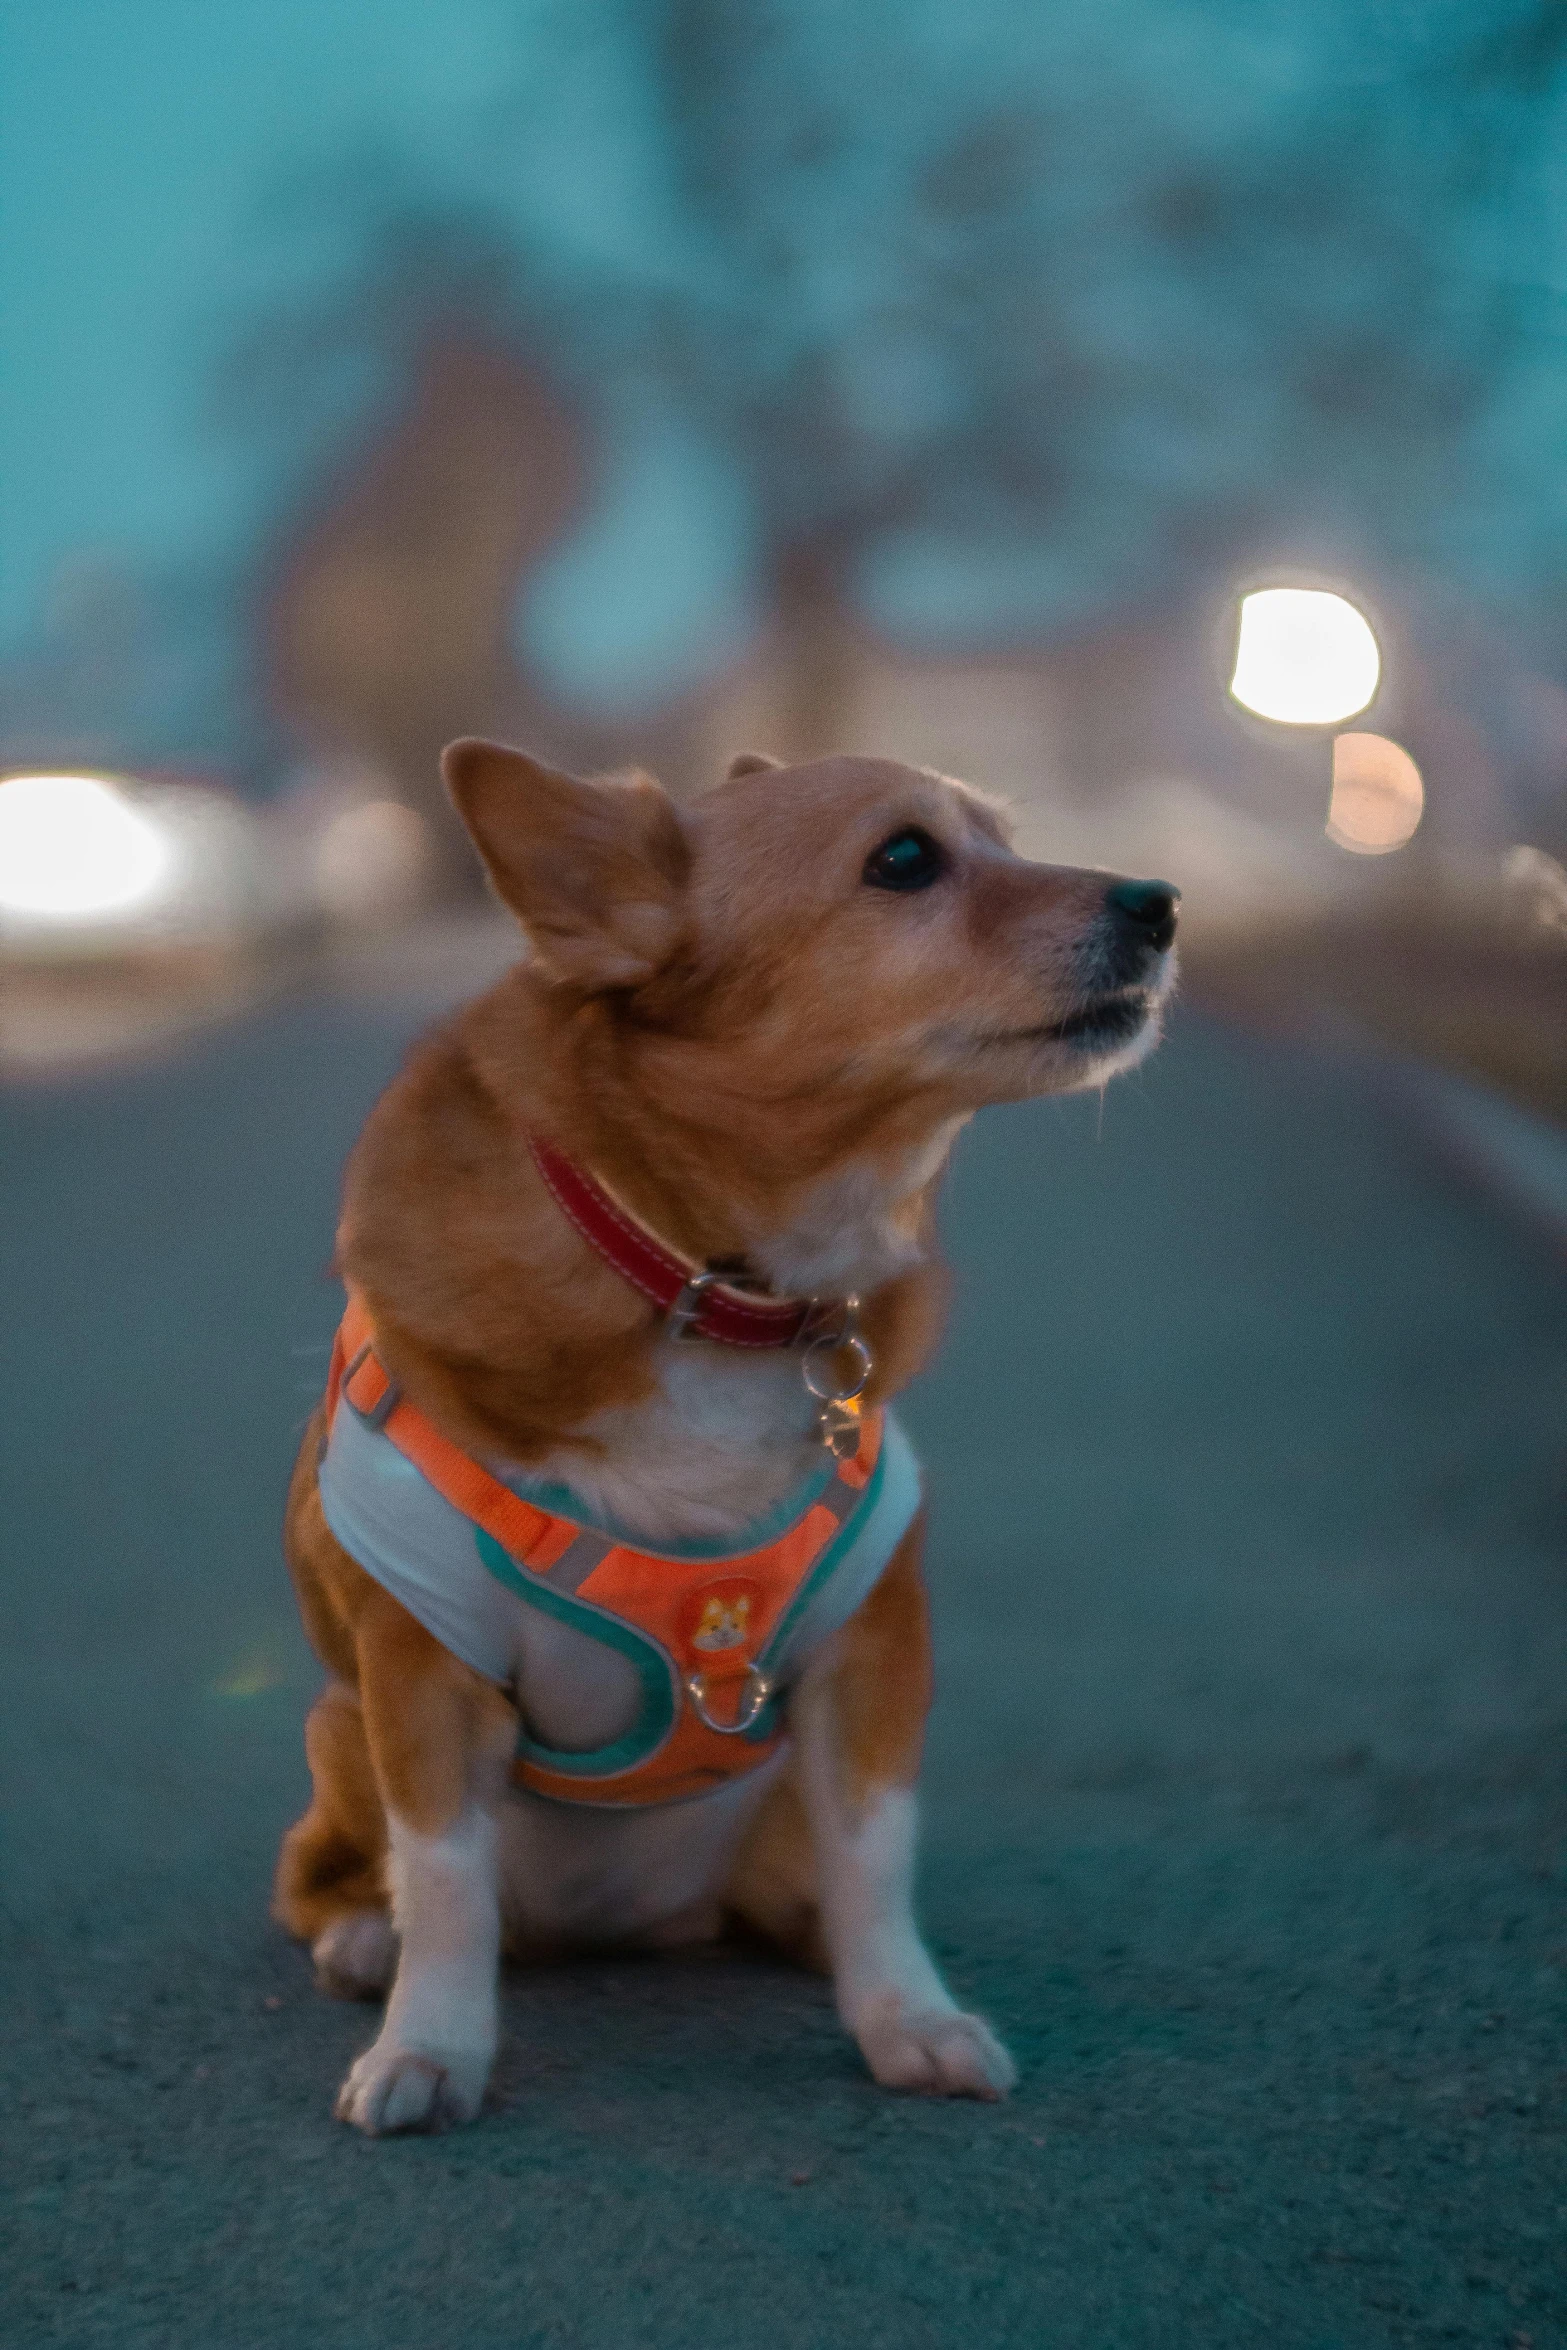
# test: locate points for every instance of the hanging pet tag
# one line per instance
(838, 1423)
(838, 1420)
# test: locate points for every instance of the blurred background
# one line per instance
(654, 380)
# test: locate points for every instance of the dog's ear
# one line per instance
(750, 763)
(595, 872)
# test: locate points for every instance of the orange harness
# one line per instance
(706, 1636)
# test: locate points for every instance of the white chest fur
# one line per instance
(730, 1432)
(725, 1438)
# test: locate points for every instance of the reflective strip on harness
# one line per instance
(359, 1377)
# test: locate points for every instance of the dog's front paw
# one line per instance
(393, 2088)
(940, 2052)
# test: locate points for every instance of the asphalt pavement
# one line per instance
(1248, 1453)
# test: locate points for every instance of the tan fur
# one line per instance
(403, 1726)
(332, 1859)
(724, 1024)
(881, 1681)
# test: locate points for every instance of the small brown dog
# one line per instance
(603, 1534)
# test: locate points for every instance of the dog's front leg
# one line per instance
(439, 1736)
(859, 1719)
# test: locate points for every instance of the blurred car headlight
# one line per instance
(73, 847)
(96, 864)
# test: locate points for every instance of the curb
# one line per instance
(1517, 1157)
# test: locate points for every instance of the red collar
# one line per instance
(699, 1304)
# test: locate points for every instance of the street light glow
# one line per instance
(1378, 797)
(72, 846)
(1304, 657)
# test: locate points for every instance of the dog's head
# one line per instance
(852, 934)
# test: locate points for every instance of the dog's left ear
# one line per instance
(751, 763)
(594, 871)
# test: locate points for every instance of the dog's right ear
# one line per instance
(750, 763)
(594, 871)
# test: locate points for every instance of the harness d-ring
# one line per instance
(758, 1690)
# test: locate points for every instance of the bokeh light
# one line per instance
(72, 847)
(372, 862)
(1304, 657)
(1378, 797)
(1537, 885)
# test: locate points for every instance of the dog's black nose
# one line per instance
(1146, 909)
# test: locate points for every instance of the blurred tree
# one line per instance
(1024, 314)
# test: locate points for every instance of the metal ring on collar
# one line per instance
(825, 1388)
(758, 1690)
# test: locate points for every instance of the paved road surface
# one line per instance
(1249, 1450)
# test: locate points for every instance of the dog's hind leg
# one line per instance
(330, 1887)
(772, 1893)
(859, 1718)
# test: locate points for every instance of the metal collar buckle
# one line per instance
(684, 1313)
(391, 1394)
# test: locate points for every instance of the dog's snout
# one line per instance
(1144, 912)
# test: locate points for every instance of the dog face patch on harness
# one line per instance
(722, 1616)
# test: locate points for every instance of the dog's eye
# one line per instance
(909, 859)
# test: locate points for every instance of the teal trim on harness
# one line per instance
(828, 1564)
(561, 1502)
(655, 1669)
(768, 1722)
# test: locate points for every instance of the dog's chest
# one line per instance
(727, 1435)
(725, 1439)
